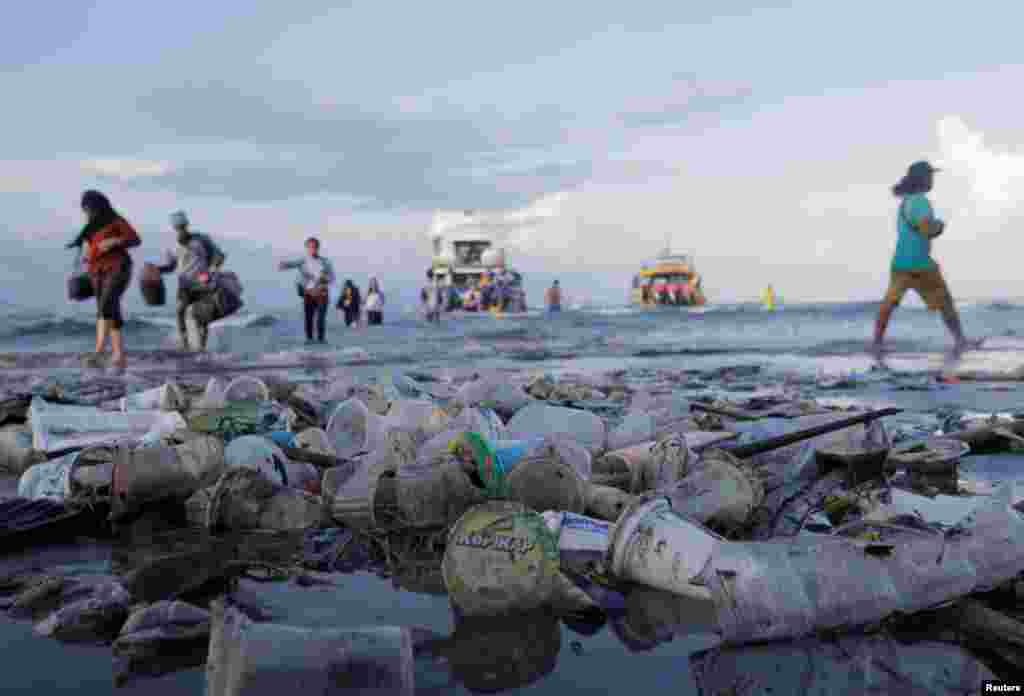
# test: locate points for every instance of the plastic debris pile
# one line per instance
(777, 516)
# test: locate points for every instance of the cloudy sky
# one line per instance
(762, 137)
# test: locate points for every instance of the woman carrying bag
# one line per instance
(106, 238)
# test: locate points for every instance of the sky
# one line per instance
(763, 138)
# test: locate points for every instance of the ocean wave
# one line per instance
(36, 326)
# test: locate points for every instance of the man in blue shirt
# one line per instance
(912, 265)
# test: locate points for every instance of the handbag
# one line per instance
(80, 285)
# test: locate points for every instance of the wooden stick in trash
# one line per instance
(773, 443)
(323, 461)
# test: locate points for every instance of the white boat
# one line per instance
(467, 260)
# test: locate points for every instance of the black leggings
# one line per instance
(318, 311)
(109, 287)
(374, 318)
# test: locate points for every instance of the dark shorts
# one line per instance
(109, 288)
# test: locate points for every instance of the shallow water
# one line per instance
(794, 347)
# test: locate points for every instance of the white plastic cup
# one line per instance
(165, 398)
(246, 388)
(260, 454)
(354, 430)
(653, 546)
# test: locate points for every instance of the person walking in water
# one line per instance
(433, 300)
(350, 303)
(316, 275)
(107, 237)
(912, 267)
(374, 304)
(194, 257)
(553, 298)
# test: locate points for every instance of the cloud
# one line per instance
(521, 228)
(127, 169)
(990, 180)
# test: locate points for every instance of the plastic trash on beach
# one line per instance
(493, 393)
(169, 397)
(16, 451)
(541, 420)
(246, 388)
(437, 494)
(775, 590)
(150, 474)
(50, 479)
(500, 558)
(259, 454)
(653, 545)
(248, 658)
(95, 617)
(315, 440)
(582, 541)
(160, 638)
(243, 499)
(57, 427)
(354, 429)
(634, 429)
(350, 491)
(213, 395)
(407, 414)
(721, 491)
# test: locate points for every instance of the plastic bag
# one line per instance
(151, 285)
(79, 283)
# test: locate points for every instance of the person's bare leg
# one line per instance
(117, 346)
(952, 320)
(101, 335)
(882, 323)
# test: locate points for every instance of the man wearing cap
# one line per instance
(195, 256)
(912, 266)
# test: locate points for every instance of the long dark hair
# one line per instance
(917, 180)
(101, 215)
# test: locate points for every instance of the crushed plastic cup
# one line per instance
(149, 474)
(50, 480)
(56, 427)
(435, 495)
(16, 451)
(635, 429)
(606, 502)
(354, 430)
(247, 658)
(541, 420)
(260, 454)
(169, 397)
(500, 558)
(654, 546)
(315, 440)
(721, 491)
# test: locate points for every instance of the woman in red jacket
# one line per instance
(107, 237)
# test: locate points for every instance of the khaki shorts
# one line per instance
(927, 283)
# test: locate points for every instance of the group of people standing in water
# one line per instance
(316, 276)
(107, 237)
(104, 271)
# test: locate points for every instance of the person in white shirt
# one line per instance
(374, 304)
(316, 275)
